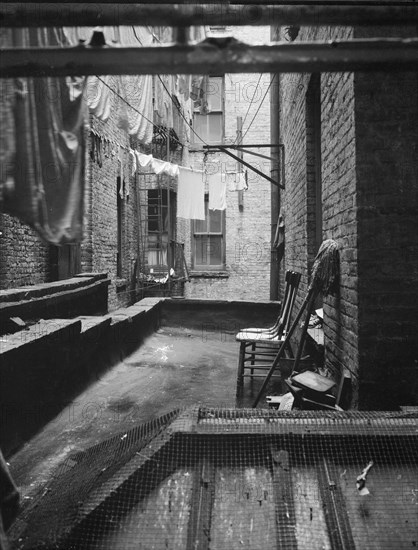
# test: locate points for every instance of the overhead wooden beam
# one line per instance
(246, 2)
(212, 56)
(75, 14)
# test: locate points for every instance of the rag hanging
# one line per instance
(190, 194)
(217, 191)
(236, 181)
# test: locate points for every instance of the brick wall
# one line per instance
(338, 175)
(369, 197)
(387, 196)
(247, 235)
(24, 257)
(100, 236)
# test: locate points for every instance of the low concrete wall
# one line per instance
(44, 367)
(223, 316)
(84, 294)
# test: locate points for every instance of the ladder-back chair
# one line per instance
(258, 345)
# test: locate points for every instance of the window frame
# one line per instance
(195, 233)
(165, 199)
(198, 144)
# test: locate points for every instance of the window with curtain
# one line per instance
(208, 246)
(208, 115)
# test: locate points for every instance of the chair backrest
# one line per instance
(291, 288)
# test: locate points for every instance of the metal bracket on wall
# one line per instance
(224, 149)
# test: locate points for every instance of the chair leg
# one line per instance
(252, 359)
(240, 376)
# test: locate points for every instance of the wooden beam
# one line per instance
(334, 507)
(203, 495)
(88, 14)
(246, 2)
(283, 499)
(213, 56)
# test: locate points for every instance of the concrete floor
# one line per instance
(173, 368)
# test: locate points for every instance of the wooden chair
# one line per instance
(258, 346)
(312, 390)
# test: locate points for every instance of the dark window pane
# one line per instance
(200, 226)
(215, 221)
(201, 253)
(215, 250)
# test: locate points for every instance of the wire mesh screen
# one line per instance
(227, 479)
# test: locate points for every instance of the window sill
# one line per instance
(209, 275)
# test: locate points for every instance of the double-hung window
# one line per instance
(209, 240)
(208, 115)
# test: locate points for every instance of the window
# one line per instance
(161, 227)
(208, 240)
(208, 116)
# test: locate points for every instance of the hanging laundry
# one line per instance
(190, 194)
(217, 191)
(236, 181)
(157, 166)
(48, 187)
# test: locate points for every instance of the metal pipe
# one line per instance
(90, 15)
(236, 57)
(275, 190)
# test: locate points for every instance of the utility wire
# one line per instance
(169, 94)
(249, 106)
(259, 107)
(159, 130)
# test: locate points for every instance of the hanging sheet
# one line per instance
(217, 191)
(135, 110)
(190, 194)
(48, 177)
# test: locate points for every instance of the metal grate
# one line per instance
(233, 478)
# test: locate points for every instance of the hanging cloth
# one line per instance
(190, 194)
(217, 191)
(49, 160)
(236, 181)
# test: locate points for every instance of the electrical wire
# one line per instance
(259, 107)
(169, 94)
(159, 129)
(249, 106)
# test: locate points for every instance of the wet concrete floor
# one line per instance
(173, 368)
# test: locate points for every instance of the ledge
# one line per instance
(209, 275)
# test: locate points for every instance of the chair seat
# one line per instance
(254, 330)
(313, 381)
(249, 337)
